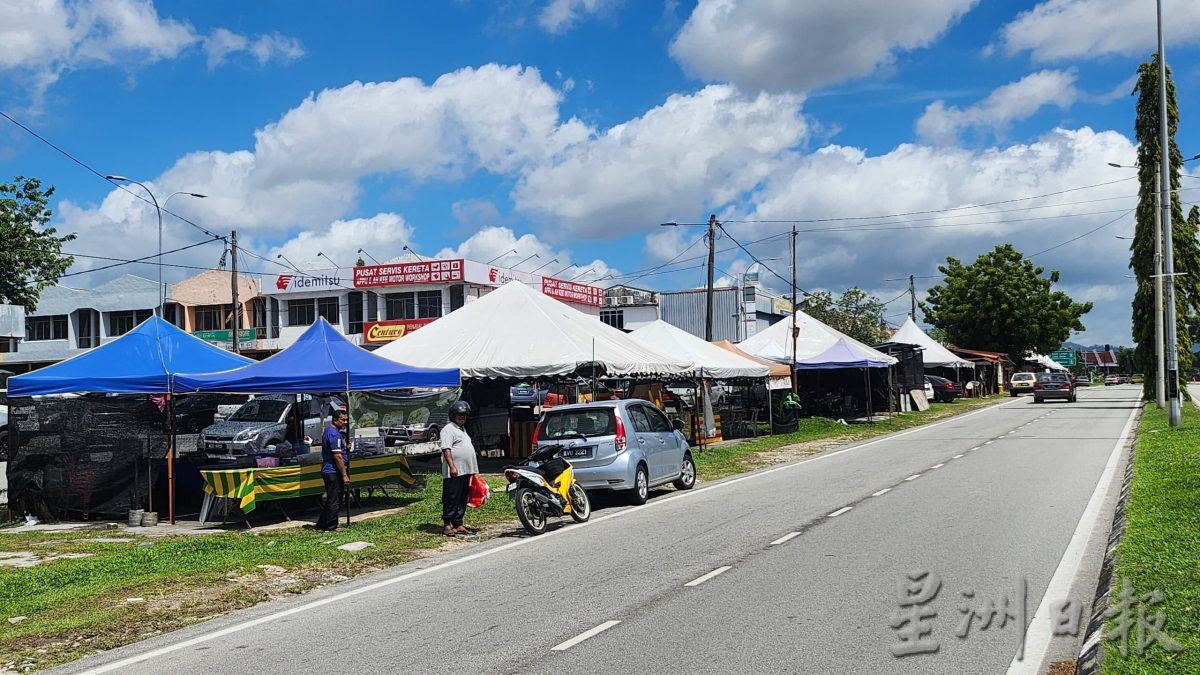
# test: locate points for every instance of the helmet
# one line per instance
(460, 408)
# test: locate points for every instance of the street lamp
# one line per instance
(289, 262)
(543, 265)
(370, 256)
(562, 270)
(590, 269)
(322, 255)
(502, 255)
(162, 294)
(526, 260)
(415, 254)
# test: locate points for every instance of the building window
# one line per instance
(302, 312)
(258, 317)
(613, 317)
(354, 308)
(429, 304)
(211, 317)
(120, 323)
(46, 328)
(8, 345)
(372, 306)
(89, 329)
(401, 306)
(327, 308)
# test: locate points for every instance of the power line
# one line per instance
(1091, 231)
(788, 284)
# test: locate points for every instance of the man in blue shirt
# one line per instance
(335, 470)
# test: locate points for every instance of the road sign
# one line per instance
(1065, 357)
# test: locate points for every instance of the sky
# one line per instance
(570, 130)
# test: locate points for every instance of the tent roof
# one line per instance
(139, 362)
(715, 362)
(515, 332)
(777, 369)
(321, 360)
(1045, 361)
(775, 343)
(934, 354)
(842, 354)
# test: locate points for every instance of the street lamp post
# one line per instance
(322, 255)
(1164, 147)
(543, 265)
(370, 256)
(526, 260)
(502, 255)
(415, 254)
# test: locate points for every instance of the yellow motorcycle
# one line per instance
(542, 487)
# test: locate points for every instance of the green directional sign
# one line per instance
(225, 337)
(1065, 357)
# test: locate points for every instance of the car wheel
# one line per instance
(1014, 393)
(641, 487)
(432, 434)
(581, 507)
(1072, 399)
(1036, 399)
(687, 474)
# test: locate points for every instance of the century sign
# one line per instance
(379, 332)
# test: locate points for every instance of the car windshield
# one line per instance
(1020, 377)
(260, 410)
(1052, 377)
(585, 422)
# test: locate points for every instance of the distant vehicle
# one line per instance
(1110, 380)
(627, 445)
(527, 394)
(196, 411)
(1053, 385)
(263, 421)
(928, 390)
(1021, 382)
(944, 391)
(1084, 380)
(1126, 379)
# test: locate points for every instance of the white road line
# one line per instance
(583, 636)
(956, 457)
(1041, 627)
(706, 577)
(566, 531)
(785, 538)
(974, 449)
(937, 466)
(989, 442)
(913, 477)
(884, 491)
(839, 512)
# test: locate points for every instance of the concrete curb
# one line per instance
(1091, 654)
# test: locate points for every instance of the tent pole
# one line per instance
(867, 379)
(171, 457)
(349, 436)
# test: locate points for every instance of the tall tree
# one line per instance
(1002, 303)
(30, 259)
(855, 313)
(1186, 250)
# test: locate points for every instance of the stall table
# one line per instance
(251, 485)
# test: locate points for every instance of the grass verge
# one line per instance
(125, 591)
(1161, 548)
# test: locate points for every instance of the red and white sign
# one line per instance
(315, 281)
(380, 332)
(404, 274)
(569, 291)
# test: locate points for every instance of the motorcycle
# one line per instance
(544, 486)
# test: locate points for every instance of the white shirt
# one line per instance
(456, 440)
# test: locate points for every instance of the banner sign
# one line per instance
(569, 291)
(305, 282)
(402, 274)
(224, 338)
(1064, 357)
(380, 332)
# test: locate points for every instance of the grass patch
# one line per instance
(1161, 548)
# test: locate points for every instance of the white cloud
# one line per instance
(1080, 29)
(497, 242)
(704, 148)
(800, 46)
(265, 48)
(1012, 102)
(383, 235)
(559, 16)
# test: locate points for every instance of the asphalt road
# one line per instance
(982, 501)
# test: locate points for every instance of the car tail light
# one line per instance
(537, 431)
(620, 441)
(1037, 385)
(950, 385)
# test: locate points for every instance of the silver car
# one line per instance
(263, 421)
(625, 445)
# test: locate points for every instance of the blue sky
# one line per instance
(570, 128)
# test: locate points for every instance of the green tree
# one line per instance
(30, 259)
(855, 313)
(1002, 303)
(1186, 250)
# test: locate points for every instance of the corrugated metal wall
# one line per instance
(688, 310)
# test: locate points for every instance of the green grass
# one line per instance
(1161, 549)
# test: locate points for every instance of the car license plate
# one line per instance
(216, 446)
(576, 452)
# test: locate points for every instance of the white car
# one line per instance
(928, 390)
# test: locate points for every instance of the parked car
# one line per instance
(196, 411)
(1110, 380)
(928, 390)
(263, 421)
(1053, 385)
(527, 394)
(1084, 380)
(1021, 383)
(944, 391)
(627, 445)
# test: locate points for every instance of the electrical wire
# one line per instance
(1091, 231)
(789, 284)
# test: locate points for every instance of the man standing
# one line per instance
(459, 463)
(335, 470)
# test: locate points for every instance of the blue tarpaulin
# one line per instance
(840, 355)
(139, 362)
(321, 360)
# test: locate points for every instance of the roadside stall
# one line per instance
(516, 335)
(87, 457)
(937, 359)
(840, 357)
(321, 361)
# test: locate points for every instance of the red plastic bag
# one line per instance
(478, 492)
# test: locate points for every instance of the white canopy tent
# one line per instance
(1045, 361)
(515, 332)
(775, 343)
(933, 353)
(709, 360)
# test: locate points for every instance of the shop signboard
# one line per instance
(490, 275)
(407, 274)
(382, 332)
(224, 338)
(316, 281)
(569, 291)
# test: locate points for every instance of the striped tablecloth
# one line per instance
(287, 482)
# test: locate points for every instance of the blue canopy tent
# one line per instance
(141, 361)
(843, 354)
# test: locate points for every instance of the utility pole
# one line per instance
(795, 307)
(712, 237)
(233, 284)
(1160, 375)
(1164, 151)
(912, 292)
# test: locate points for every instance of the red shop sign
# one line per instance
(401, 274)
(569, 291)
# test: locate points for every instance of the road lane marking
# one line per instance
(937, 466)
(974, 449)
(989, 442)
(884, 491)
(706, 577)
(583, 636)
(913, 477)
(839, 512)
(785, 538)
(173, 647)
(1041, 627)
(956, 457)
